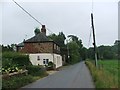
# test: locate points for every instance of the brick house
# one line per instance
(41, 50)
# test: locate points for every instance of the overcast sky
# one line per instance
(68, 16)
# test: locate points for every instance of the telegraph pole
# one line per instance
(94, 43)
(68, 49)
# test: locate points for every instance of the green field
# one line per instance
(107, 74)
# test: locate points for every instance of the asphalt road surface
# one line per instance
(74, 76)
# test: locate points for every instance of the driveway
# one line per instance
(74, 76)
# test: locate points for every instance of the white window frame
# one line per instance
(45, 61)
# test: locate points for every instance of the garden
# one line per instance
(17, 70)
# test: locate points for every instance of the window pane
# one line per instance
(43, 61)
(38, 58)
(47, 60)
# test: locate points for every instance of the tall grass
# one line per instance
(106, 76)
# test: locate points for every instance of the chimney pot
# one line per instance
(43, 29)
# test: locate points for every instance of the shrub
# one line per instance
(36, 70)
(9, 55)
(50, 66)
(21, 60)
(16, 82)
(11, 60)
(15, 61)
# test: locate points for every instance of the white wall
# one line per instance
(55, 58)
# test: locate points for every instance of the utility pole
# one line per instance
(68, 49)
(94, 43)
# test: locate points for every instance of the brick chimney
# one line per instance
(43, 29)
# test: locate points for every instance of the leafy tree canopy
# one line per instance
(37, 31)
(59, 39)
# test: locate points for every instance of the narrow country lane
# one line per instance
(74, 76)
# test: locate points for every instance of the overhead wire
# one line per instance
(92, 7)
(90, 37)
(89, 41)
(30, 15)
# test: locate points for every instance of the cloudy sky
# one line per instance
(69, 16)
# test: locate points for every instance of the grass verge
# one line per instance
(103, 77)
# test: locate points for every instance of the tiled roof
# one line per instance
(38, 38)
(20, 44)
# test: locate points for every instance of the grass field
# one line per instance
(107, 74)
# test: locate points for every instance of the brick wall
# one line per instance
(46, 47)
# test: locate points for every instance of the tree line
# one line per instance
(74, 50)
(78, 52)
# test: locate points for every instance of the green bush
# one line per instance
(21, 60)
(16, 82)
(12, 60)
(50, 66)
(36, 70)
(9, 54)
(15, 61)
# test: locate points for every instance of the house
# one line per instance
(41, 50)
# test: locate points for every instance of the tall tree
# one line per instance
(74, 52)
(7, 48)
(83, 53)
(82, 50)
(59, 39)
(37, 31)
(90, 53)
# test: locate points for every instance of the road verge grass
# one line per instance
(102, 79)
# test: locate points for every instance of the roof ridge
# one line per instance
(37, 38)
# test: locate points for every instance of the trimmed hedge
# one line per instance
(36, 70)
(10, 59)
(21, 60)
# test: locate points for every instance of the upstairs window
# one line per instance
(38, 58)
(58, 48)
(54, 46)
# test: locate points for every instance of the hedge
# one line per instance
(12, 58)
(13, 61)
(36, 70)
(16, 82)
